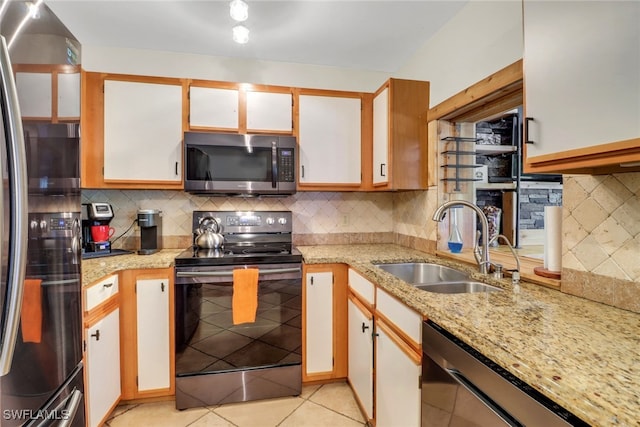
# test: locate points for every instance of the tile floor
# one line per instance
(318, 406)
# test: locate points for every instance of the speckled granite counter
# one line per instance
(97, 268)
(581, 354)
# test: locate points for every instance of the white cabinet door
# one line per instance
(361, 355)
(34, 94)
(267, 111)
(152, 303)
(381, 137)
(319, 322)
(582, 84)
(142, 131)
(69, 95)
(329, 140)
(214, 107)
(397, 383)
(103, 367)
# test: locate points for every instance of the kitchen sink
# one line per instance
(461, 287)
(418, 273)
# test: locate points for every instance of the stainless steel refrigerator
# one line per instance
(41, 372)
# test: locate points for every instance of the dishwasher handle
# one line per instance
(471, 388)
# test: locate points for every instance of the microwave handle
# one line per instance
(274, 165)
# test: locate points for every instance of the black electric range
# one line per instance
(250, 237)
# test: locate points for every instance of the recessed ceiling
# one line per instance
(367, 35)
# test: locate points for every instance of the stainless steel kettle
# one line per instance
(208, 234)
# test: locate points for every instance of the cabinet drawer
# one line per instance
(98, 293)
(361, 286)
(407, 320)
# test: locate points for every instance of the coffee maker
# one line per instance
(95, 214)
(150, 222)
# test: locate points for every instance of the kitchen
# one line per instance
(326, 217)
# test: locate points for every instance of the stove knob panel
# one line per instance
(270, 221)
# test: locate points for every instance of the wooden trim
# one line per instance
(409, 342)
(45, 68)
(389, 329)
(101, 310)
(366, 143)
(498, 85)
(598, 159)
(363, 307)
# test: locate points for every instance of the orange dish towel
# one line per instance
(31, 314)
(245, 295)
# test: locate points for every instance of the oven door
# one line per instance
(207, 341)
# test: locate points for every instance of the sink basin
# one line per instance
(418, 273)
(461, 287)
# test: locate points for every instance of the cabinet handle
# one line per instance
(96, 335)
(364, 327)
(302, 171)
(311, 280)
(162, 286)
(526, 128)
(107, 285)
(382, 169)
(176, 168)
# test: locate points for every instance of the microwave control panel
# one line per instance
(286, 166)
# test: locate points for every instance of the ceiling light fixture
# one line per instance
(239, 10)
(240, 34)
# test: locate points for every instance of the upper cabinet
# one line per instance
(582, 86)
(48, 92)
(330, 140)
(132, 132)
(400, 150)
(240, 108)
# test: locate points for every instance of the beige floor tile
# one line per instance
(121, 409)
(212, 420)
(261, 413)
(159, 414)
(338, 397)
(313, 415)
(308, 390)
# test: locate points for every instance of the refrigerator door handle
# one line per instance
(17, 166)
(69, 412)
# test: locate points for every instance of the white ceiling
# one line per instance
(367, 35)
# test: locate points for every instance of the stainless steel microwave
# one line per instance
(231, 164)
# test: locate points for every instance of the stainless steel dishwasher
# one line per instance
(461, 387)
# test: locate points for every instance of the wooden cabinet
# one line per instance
(361, 335)
(400, 152)
(101, 337)
(147, 333)
(398, 370)
(132, 129)
(330, 140)
(582, 86)
(48, 93)
(398, 364)
(324, 337)
(234, 107)
(142, 131)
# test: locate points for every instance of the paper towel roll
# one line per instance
(553, 238)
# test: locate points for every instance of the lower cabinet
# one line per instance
(398, 371)
(324, 315)
(361, 354)
(385, 357)
(147, 349)
(102, 367)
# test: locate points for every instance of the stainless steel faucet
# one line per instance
(515, 274)
(483, 258)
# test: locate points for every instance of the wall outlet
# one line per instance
(345, 220)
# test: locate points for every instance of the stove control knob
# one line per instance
(282, 221)
(270, 221)
(43, 225)
(33, 225)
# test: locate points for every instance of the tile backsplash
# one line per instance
(601, 238)
(319, 217)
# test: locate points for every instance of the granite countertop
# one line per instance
(581, 354)
(96, 268)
